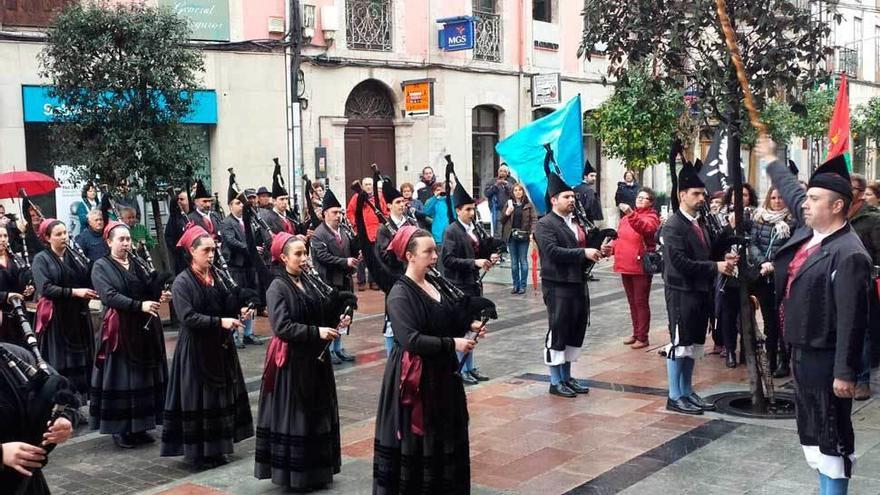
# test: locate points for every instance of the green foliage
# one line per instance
(636, 123)
(780, 122)
(683, 42)
(866, 121)
(819, 104)
(125, 75)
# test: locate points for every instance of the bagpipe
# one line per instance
(312, 220)
(596, 237)
(293, 213)
(47, 394)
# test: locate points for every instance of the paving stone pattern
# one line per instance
(618, 439)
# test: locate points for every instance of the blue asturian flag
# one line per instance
(523, 151)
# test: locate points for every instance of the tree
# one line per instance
(682, 41)
(812, 122)
(781, 47)
(780, 121)
(635, 124)
(125, 76)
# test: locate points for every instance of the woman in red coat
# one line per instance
(636, 235)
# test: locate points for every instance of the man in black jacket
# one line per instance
(238, 258)
(823, 279)
(203, 214)
(276, 216)
(688, 275)
(464, 253)
(178, 209)
(331, 252)
(562, 245)
(587, 194)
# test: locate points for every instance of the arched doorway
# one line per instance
(369, 134)
(484, 137)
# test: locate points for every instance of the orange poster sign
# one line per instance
(418, 97)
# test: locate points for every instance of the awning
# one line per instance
(39, 105)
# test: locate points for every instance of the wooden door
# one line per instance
(367, 142)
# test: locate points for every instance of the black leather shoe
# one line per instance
(344, 355)
(699, 402)
(335, 358)
(522, 290)
(479, 376)
(782, 371)
(467, 379)
(731, 359)
(562, 390)
(123, 441)
(681, 405)
(249, 340)
(576, 386)
(514, 290)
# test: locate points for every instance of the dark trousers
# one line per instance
(766, 294)
(728, 317)
(638, 290)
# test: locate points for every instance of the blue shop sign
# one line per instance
(39, 105)
(457, 33)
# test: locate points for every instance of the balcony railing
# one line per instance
(848, 61)
(487, 31)
(368, 24)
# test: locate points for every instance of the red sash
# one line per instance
(45, 310)
(276, 358)
(109, 335)
(410, 392)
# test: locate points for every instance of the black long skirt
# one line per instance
(201, 420)
(439, 461)
(127, 397)
(298, 444)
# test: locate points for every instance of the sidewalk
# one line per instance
(618, 439)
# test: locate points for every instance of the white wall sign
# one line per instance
(546, 89)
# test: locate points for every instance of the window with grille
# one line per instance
(487, 31)
(848, 61)
(368, 24)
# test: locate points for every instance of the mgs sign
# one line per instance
(457, 33)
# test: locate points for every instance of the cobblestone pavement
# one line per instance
(618, 439)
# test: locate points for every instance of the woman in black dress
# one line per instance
(422, 424)
(15, 283)
(206, 406)
(298, 420)
(128, 381)
(63, 323)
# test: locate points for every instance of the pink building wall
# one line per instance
(572, 25)
(256, 17)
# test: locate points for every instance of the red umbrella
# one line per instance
(33, 183)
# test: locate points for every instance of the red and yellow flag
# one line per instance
(838, 128)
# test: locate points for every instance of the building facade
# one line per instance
(357, 56)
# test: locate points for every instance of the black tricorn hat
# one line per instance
(834, 176)
(460, 196)
(793, 167)
(231, 193)
(555, 184)
(278, 189)
(588, 168)
(329, 200)
(201, 192)
(689, 176)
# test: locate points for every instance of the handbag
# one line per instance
(652, 261)
(519, 235)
